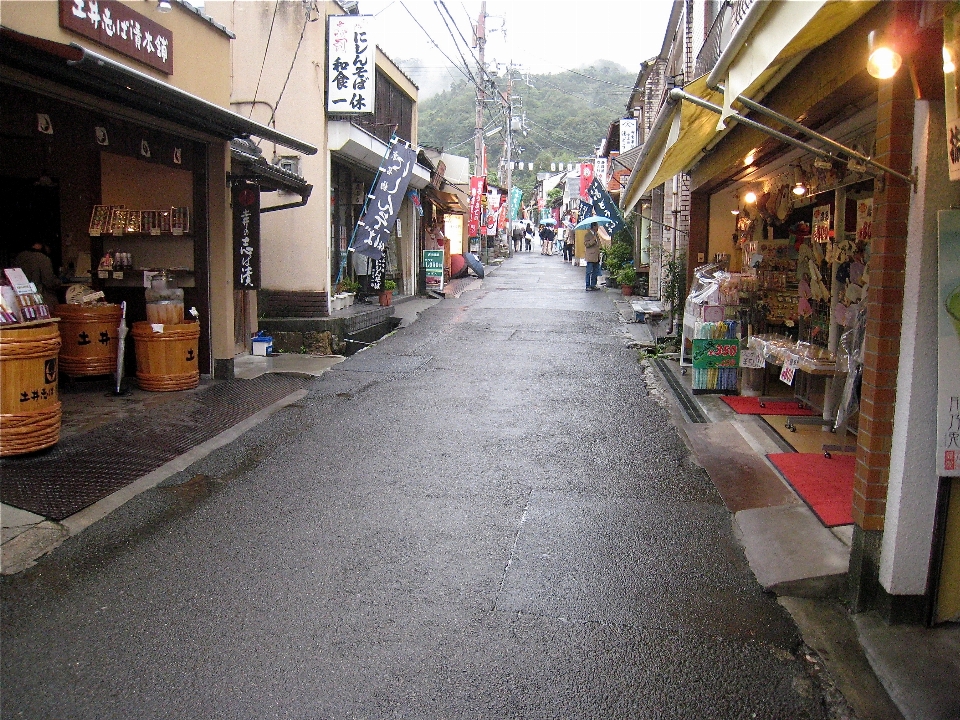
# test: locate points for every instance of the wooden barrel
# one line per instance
(167, 360)
(89, 335)
(29, 398)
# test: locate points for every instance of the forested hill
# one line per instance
(567, 113)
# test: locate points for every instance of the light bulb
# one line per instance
(883, 61)
(750, 198)
(949, 65)
(799, 189)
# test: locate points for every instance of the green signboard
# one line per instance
(433, 267)
(709, 354)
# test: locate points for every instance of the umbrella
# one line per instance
(473, 262)
(121, 347)
(548, 221)
(587, 222)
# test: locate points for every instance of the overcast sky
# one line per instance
(544, 36)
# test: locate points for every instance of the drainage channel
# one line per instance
(689, 405)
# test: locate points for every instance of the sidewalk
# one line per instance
(883, 671)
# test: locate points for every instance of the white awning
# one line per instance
(347, 140)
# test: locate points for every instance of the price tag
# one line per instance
(103, 274)
(789, 369)
(752, 359)
(118, 274)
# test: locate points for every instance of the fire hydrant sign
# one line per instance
(709, 354)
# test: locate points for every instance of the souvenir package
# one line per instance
(133, 222)
(9, 309)
(180, 220)
(100, 220)
(118, 220)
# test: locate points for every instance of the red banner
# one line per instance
(476, 195)
(586, 177)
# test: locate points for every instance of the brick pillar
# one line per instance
(895, 113)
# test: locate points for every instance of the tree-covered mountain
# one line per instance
(567, 115)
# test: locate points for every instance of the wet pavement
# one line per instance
(485, 515)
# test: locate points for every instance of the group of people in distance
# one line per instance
(552, 241)
(561, 240)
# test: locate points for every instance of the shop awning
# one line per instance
(678, 139)
(354, 143)
(775, 36)
(770, 42)
(247, 162)
(450, 203)
(81, 69)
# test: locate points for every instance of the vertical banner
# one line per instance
(350, 64)
(585, 210)
(948, 361)
(493, 210)
(516, 197)
(586, 177)
(628, 134)
(380, 214)
(378, 273)
(951, 58)
(476, 208)
(604, 206)
(246, 235)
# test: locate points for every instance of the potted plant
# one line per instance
(386, 295)
(626, 278)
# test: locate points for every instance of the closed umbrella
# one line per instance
(473, 262)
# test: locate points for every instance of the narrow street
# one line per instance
(483, 516)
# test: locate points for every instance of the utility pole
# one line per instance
(480, 40)
(509, 153)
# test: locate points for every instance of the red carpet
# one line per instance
(751, 406)
(825, 484)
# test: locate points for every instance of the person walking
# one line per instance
(546, 236)
(591, 252)
(517, 238)
(568, 245)
(528, 238)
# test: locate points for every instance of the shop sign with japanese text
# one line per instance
(246, 236)
(351, 64)
(709, 354)
(948, 360)
(628, 134)
(116, 26)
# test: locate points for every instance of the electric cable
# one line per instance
(263, 64)
(303, 30)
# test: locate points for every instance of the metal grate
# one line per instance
(88, 467)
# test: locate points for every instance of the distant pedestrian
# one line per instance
(546, 237)
(568, 245)
(517, 238)
(591, 252)
(528, 237)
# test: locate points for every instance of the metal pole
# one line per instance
(756, 107)
(679, 94)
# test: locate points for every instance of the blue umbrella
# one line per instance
(587, 222)
(548, 221)
(473, 262)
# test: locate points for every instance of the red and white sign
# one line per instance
(821, 224)
(116, 26)
(476, 207)
(586, 177)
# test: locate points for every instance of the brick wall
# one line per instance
(884, 303)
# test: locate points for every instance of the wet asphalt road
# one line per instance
(483, 516)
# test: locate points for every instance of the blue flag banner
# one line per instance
(373, 229)
(585, 211)
(604, 206)
(516, 196)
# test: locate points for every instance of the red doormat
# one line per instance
(825, 484)
(751, 406)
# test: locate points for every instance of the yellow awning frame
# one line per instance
(770, 42)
